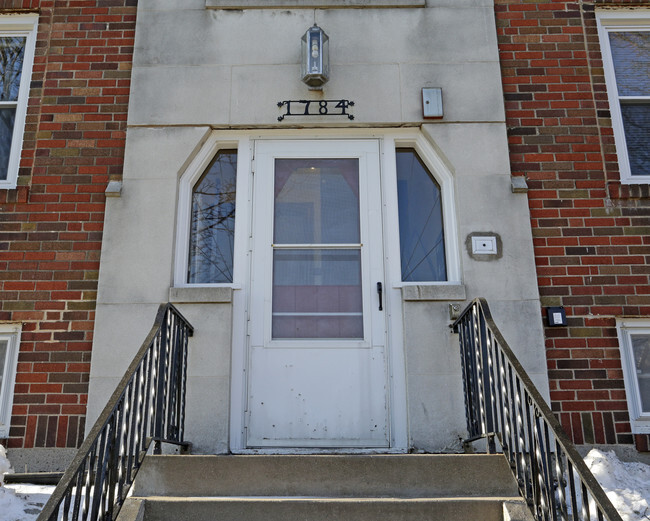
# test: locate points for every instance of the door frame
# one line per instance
(280, 354)
(396, 363)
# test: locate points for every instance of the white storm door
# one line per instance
(317, 347)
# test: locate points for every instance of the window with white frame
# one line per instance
(421, 226)
(17, 41)
(9, 342)
(634, 337)
(208, 193)
(625, 45)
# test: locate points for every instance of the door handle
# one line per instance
(379, 292)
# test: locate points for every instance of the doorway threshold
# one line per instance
(317, 451)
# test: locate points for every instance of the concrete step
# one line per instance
(390, 487)
(322, 509)
(342, 476)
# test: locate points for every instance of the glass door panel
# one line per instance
(316, 250)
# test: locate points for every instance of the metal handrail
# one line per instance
(148, 406)
(502, 402)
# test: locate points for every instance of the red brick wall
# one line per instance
(51, 226)
(590, 234)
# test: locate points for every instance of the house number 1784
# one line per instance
(316, 108)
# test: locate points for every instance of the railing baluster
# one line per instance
(585, 502)
(501, 400)
(99, 476)
(183, 380)
(78, 487)
(135, 418)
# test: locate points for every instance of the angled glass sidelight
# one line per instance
(421, 227)
(212, 226)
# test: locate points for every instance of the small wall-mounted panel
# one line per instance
(484, 245)
(432, 102)
(310, 4)
(556, 316)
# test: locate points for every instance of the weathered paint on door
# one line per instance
(317, 338)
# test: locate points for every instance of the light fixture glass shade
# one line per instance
(315, 63)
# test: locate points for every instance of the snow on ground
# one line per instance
(627, 485)
(23, 502)
(20, 502)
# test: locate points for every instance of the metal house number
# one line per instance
(316, 108)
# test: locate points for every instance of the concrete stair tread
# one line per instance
(318, 499)
(385, 475)
(323, 509)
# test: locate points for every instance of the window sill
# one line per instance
(629, 191)
(310, 4)
(641, 425)
(201, 295)
(431, 292)
(13, 194)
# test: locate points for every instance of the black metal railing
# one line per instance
(503, 405)
(147, 407)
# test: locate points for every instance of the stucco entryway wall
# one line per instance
(204, 76)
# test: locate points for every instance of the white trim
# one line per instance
(617, 21)
(639, 419)
(19, 25)
(187, 181)
(10, 333)
(445, 179)
(311, 4)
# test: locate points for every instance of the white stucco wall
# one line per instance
(198, 69)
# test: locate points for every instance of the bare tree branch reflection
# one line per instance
(213, 222)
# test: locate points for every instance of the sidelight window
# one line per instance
(212, 222)
(421, 226)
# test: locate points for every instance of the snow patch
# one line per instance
(5, 466)
(626, 484)
(20, 502)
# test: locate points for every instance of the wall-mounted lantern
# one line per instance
(315, 68)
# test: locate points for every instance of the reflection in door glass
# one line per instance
(316, 201)
(422, 245)
(317, 294)
(317, 287)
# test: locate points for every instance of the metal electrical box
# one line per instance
(432, 102)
